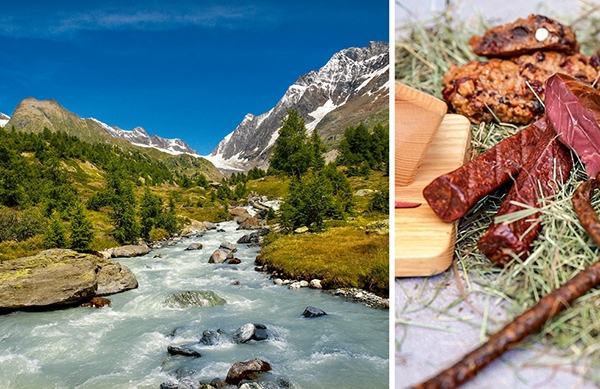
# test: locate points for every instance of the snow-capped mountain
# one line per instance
(351, 86)
(3, 119)
(139, 137)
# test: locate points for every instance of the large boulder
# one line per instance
(254, 237)
(127, 251)
(250, 223)
(51, 278)
(113, 277)
(202, 298)
(239, 213)
(246, 370)
(60, 277)
(195, 228)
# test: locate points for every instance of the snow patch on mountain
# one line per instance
(3, 119)
(319, 113)
(139, 137)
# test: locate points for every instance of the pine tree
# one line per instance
(82, 231)
(55, 235)
(291, 153)
(310, 200)
(150, 209)
(202, 181)
(318, 148)
(123, 216)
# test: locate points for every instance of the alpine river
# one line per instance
(125, 345)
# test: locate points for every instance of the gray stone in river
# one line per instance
(313, 312)
(210, 338)
(249, 332)
(182, 350)
(194, 246)
(201, 298)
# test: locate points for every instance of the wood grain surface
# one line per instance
(424, 244)
(418, 117)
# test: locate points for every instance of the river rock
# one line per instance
(211, 338)
(113, 277)
(55, 277)
(244, 333)
(250, 223)
(316, 284)
(260, 332)
(194, 246)
(225, 245)
(210, 226)
(97, 302)
(299, 284)
(254, 237)
(182, 350)
(202, 298)
(313, 312)
(184, 383)
(249, 332)
(246, 370)
(239, 213)
(234, 261)
(195, 228)
(220, 256)
(128, 251)
(362, 296)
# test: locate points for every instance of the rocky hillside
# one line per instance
(352, 87)
(35, 115)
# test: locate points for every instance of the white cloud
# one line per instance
(52, 23)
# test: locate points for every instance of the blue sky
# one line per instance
(185, 69)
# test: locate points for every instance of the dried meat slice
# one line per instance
(536, 32)
(451, 195)
(573, 107)
(542, 177)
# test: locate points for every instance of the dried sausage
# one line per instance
(452, 195)
(542, 176)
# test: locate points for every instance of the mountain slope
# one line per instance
(35, 115)
(352, 87)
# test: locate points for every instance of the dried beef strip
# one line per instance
(506, 89)
(536, 32)
(574, 109)
(453, 194)
(542, 176)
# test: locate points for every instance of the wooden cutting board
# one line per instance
(424, 245)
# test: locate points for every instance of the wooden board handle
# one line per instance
(418, 116)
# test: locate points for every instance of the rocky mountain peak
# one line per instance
(350, 87)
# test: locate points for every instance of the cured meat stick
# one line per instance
(532, 320)
(542, 176)
(452, 195)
